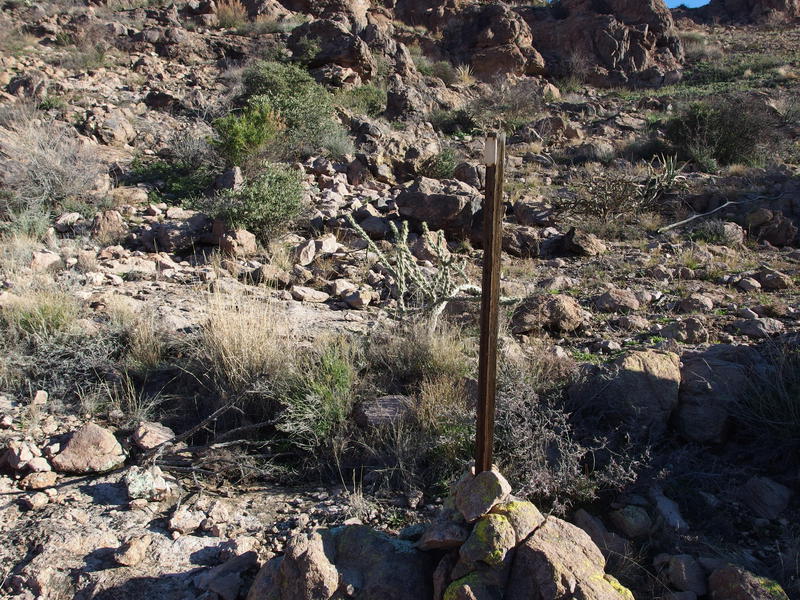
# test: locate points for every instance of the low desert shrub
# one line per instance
(542, 452)
(243, 135)
(265, 205)
(184, 170)
(44, 313)
(45, 165)
(305, 107)
(453, 122)
(317, 399)
(404, 356)
(366, 99)
(619, 196)
(241, 341)
(441, 165)
(433, 68)
(722, 132)
(770, 410)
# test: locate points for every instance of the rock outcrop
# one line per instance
(748, 11)
(609, 43)
(494, 40)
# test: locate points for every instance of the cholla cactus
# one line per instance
(427, 290)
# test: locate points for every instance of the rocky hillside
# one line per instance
(240, 253)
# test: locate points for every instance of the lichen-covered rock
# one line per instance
(91, 449)
(559, 560)
(523, 516)
(734, 583)
(491, 538)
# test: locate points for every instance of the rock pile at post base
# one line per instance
(484, 545)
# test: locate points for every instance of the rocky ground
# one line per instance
(189, 409)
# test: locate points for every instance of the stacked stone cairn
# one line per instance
(483, 545)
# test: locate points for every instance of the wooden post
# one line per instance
(494, 155)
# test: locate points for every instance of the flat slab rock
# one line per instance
(91, 449)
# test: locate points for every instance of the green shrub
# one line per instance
(722, 132)
(241, 136)
(265, 206)
(303, 105)
(366, 99)
(442, 165)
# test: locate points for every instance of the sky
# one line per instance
(690, 3)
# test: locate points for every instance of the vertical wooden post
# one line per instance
(495, 155)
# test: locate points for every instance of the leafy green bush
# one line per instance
(366, 99)
(241, 136)
(722, 132)
(303, 105)
(265, 206)
(442, 165)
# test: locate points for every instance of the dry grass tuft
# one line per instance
(243, 339)
(231, 14)
(145, 343)
(44, 313)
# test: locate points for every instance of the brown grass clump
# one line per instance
(242, 339)
(231, 14)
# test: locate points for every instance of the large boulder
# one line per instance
(557, 313)
(448, 204)
(327, 42)
(179, 235)
(641, 389)
(713, 382)
(91, 449)
(559, 560)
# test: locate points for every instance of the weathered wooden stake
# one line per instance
(495, 154)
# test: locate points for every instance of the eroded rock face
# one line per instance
(494, 40)
(614, 42)
(327, 42)
(750, 11)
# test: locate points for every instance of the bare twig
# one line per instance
(187, 434)
(711, 212)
